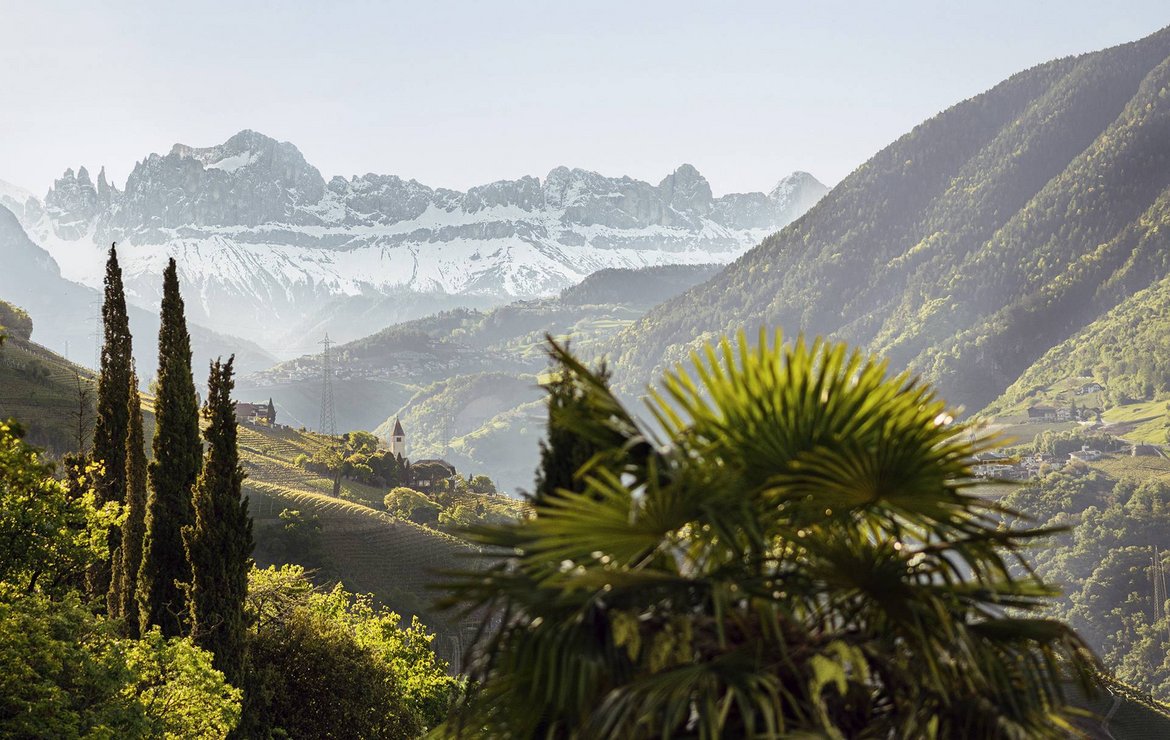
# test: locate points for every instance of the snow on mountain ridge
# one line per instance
(265, 240)
(15, 193)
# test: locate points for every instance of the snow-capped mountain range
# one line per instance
(269, 250)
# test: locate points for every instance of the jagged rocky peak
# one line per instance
(107, 192)
(564, 187)
(380, 199)
(799, 185)
(525, 193)
(794, 195)
(73, 203)
(247, 149)
(248, 180)
(20, 201)
(687, 191)
(589, 198)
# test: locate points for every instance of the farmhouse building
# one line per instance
(1041, 413)
(256, 413)
(1085, 454)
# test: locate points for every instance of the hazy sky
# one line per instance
(458, 94)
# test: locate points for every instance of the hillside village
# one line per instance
(425, 474)
(1072, 424)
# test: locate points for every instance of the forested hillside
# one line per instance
(404, 369)
(1124, 351)
(973, 244)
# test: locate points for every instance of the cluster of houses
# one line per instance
(999, 466)
(1002, 467)
(1071, 412)
(1062, 413)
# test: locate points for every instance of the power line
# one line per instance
(328, 419)
(98, 326)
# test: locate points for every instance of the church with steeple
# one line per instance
(398, 439)
(425, 474)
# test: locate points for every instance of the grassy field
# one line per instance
(1122, 466)
(1016, 432)
(1139, 422)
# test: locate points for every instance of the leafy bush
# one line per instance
(67, 673)
(407, 503)
(15, 321)
(48, 534)
(331, 664)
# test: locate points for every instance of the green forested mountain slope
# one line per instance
(456, 406)
(972, 244)
(377, 375)
(1127, 351)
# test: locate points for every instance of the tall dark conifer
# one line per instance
(565, 451)
(129, 560)
(109, 436)
(178, 455)
(219, 543)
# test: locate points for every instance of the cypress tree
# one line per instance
(129, 559)
(219, 543)
(566, 449)
(109, 435)
(177, 456)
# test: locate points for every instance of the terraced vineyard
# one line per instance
(501, 505)
(42, 390)
(369, 550)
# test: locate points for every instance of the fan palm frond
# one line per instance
(798, 549)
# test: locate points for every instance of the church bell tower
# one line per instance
(398, 439)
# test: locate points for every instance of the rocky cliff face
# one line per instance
(264, 240)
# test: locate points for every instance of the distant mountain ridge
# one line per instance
(264, 239)
(972, 244)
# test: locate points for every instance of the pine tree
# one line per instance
(219, 543)
(109, 436)
(178, 454)
(129, 559)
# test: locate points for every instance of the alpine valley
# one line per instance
(590, 456)
(1005, 249)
